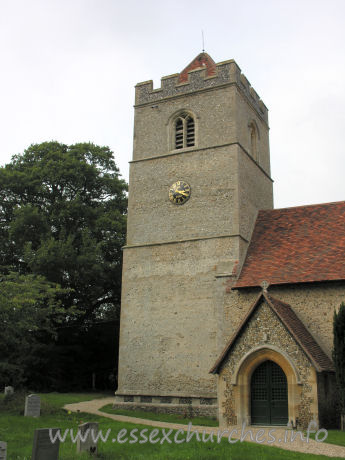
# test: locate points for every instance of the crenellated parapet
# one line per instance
(226, 73)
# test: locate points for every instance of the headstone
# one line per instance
(87, 444)
(9, 390)
(32, 406)
(43, 448)
(3, 450)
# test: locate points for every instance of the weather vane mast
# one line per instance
(203, 41)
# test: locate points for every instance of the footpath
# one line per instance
(312, 447)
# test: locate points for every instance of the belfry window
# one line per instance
(253, 141)
(190, 131)
(254, 136)
(184, 131)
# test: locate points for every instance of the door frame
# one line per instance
(241, 379)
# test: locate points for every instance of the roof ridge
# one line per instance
(267, 294)
(306, 338)
(283, 246)
(320, 361)
(202, 61)
(303, 206)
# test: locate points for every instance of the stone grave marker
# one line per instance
(9, 390)
(43, 448)
(88, 445)
(3, 450)
(32, 406)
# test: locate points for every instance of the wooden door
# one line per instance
(269, 395)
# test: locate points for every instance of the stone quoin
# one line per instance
(227, 303)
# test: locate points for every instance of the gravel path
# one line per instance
(312, 447)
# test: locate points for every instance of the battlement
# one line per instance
(199, 79)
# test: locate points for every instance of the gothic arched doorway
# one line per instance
(269, 395)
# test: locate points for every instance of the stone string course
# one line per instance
(172, 300)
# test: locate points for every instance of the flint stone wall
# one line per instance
(264, 328)
(313, 303)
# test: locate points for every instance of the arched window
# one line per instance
(253, 141)
(184, 131)
(254, 135)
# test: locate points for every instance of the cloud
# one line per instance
(69, 68)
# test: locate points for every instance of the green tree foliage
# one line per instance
(29, 309)
(339, 353)
(63, 216)
(62, 225)
(95, 347)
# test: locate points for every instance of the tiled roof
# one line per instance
(203, 60)
(293, 324)
(296, 245)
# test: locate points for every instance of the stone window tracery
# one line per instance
(184, 131)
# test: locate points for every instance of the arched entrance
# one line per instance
(269, 395)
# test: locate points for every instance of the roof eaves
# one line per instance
(270, 301)
(291, 330)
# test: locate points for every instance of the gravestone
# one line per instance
(43, 448)
(9, 390)
(3, 450)
(88, 444)
(32, 406)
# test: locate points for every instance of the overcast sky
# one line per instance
(68, 70)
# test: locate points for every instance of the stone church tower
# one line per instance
(200, 173)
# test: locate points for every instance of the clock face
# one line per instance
(179, 192)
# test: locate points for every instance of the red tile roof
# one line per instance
(296, 245)
(202, 61)
(295, 327)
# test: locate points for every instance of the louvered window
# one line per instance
(179, 134)
(190, 131)
(184, 131)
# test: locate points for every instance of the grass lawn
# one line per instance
(18, 432)
(50, 402)
(334, 437)
(203, 421)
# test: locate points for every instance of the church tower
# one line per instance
(200, 173)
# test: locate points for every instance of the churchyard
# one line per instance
(21, 431)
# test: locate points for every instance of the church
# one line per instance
(227, 303)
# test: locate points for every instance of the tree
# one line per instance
(63, 216)
(29, 311)
(339, 356)
(95, 347)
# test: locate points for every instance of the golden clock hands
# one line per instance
(182, 193)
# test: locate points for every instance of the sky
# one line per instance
(69, 67)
